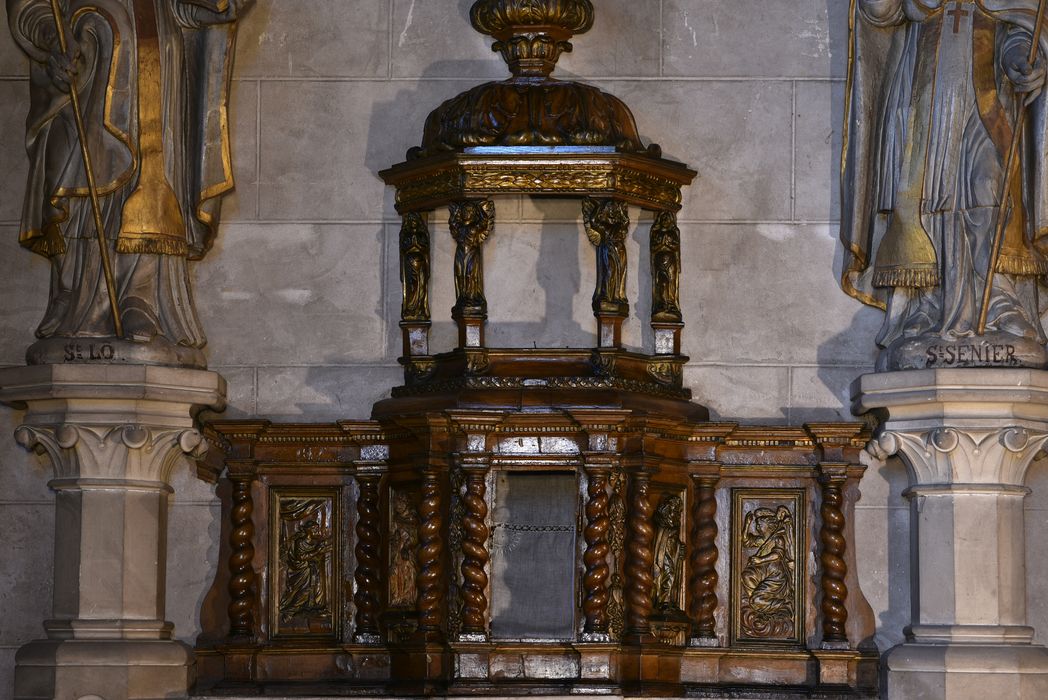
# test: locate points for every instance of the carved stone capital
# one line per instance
(949, 455)
(960, 426)
(127, 452)
(128, 423)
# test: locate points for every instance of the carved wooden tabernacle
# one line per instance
(514, 521)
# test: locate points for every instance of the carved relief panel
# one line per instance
(306, 547)
(403, 551)
(768, 547)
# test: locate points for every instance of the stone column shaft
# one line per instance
(113, 435)
(968, 437)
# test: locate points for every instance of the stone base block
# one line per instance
(967, 672)
(71, 669)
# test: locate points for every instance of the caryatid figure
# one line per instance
(152, 78)
(935, 90)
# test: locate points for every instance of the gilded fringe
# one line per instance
(152, 245)
(1023, 265)
(48, 242)
(906, 277)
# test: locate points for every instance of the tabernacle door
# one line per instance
(533, 556)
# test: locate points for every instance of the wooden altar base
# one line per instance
(383, 557)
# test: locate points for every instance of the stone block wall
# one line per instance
(300, 294)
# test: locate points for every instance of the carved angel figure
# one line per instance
(936, 87)
(471, 224)
(768, 576)
(607, 223)
(152, 77)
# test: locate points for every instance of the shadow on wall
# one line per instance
(857, 340)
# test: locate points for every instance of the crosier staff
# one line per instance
(1009, 175)
(96, 210)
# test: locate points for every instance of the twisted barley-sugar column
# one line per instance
(430, 579)
(834, 568)
(595, 581)
(704, 557)
(242, 553)
(475, 555)
(368, 572)
(640, 558)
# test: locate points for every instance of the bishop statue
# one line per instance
(128, 108)
(937, 90)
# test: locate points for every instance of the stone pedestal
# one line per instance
(968, 437)
(113, 434)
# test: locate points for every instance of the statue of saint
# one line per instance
(152, 78)
(607, 225)
(471, 224)
(669, 554)
(414, 268)
(665, 268)
(306, 591)
(935, 91)
(403, 554)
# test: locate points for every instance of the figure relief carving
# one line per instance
(403, 553)
(668, 571)
(414, 267)
(944, 189)
(472, 222)
(768, 604)
(607, 224)
(306, 571)
(665, 269)
(127, 170)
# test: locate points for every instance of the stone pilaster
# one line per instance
(113, 435)
(968, 437)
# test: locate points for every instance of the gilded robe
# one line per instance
(929, 118)
(195, 45)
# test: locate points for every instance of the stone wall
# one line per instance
(300, 295)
